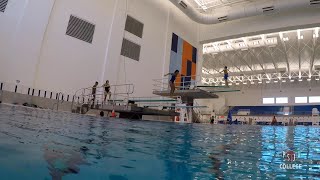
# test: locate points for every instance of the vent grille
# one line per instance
(3, 5)
(268, 9)
(80, 29)
(223, 18)
(134, 26)
(314, 2)
(183, 4)
(130, 49)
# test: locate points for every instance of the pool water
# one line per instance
(39, 144)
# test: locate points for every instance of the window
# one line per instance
(301, 100)
(314, 99)
(268, 100)
(281, 100)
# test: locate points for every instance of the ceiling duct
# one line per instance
(243, 11)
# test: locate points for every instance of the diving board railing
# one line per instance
(100, 98)
(181, 83)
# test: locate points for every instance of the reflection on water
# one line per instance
(62, 161)
(48, 145)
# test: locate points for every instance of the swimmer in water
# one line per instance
(172, 80)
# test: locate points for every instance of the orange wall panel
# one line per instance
(194, 71)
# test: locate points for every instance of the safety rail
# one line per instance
(182, 83)
(197, 112)
(26, 90)
(100, 97)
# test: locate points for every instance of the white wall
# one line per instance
(253, 95)
(36, 50)
(160, 19)
(22, 28)
(66, 63)
(260, 24)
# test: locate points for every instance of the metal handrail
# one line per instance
(100, 92)
(163, 83)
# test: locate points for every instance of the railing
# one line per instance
(197, 112)
(25, 90)
(182, 83)
(119, 93)
(58, 101)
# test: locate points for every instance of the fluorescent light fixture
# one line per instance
(301, 37)
(244, 83)
(237, 84)
(317, 79)
(309, 79)
(315, 35)
(284, 81)
(300, 80)
(267, 82)
(286, 39)
(276, 81)
(252, 82)
(291, 80)
(260, 82)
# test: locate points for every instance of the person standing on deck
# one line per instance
(94, 90)
(107, 90)
(172, 80)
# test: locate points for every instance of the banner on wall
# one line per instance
(183, 58)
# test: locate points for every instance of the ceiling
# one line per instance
(280, 56)
(210, 5)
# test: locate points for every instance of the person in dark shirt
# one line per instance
(94, 91)
(172, 80)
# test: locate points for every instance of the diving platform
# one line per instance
(131, 111)
(189, 94)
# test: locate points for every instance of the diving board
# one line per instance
(189, 94)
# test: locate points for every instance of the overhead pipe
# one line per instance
(240, 11)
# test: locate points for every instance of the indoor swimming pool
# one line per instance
(40, 144)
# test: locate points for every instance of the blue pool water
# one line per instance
(39, 144)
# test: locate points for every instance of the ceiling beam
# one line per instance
(285, 52)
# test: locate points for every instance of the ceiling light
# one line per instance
(276, 81)
(317, 79)
(230, 84)
(286, 39)
(291, 80)
(284, 81)
(260, 82)
(301, 37)
(252, 82)
(267, 82)
(309, 79)
(300, 80)
(315, 35)
(244, 83)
